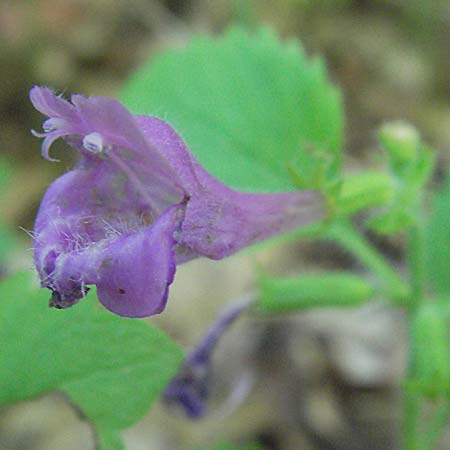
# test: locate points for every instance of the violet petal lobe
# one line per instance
(134, 280)
(135, 204)
(53, 106)
(189, 388)
(130, 280)
(88, 233)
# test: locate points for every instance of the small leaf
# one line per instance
(312, 290)
(111, 367)
(438, 241)
(245, 103)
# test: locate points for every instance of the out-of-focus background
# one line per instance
(321, 380)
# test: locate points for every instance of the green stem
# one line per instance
(415, 258)
(416, 273)
(412, 398)
(411, 413)
(345, 234)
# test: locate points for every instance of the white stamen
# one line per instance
(48, 127)
(53, 124)
(93, 142)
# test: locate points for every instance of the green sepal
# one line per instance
(312, 168)
(363, 190)
(402, 210)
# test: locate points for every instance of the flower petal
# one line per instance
(92, 228)
(92, 203)
(170, 144)
(115, 126)
(138, 269)
(220, 221)
(120, 128)
(50, 104)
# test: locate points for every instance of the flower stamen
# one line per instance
(93, 143)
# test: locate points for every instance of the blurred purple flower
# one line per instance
(189, 388)
(137, 204)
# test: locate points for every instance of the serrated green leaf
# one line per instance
(246, 104)
(312, 290)
(113, 368)
(438, 241)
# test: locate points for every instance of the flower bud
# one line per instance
(401, 141)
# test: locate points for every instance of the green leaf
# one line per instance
(246, 104)
(437, 261)
(311, 290)
(111, 367)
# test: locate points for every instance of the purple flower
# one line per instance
(189, 388)
(136, 204)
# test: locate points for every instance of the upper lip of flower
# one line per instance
(136, 204)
